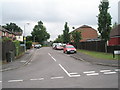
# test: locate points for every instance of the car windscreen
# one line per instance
(69, 46)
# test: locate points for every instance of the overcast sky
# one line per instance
(53, 13)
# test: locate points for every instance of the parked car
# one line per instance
(54, 44)
(58, 47)
(37, 46)
(69, 49)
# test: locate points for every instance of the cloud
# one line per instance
(54, 13)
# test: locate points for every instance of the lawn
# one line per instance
(100, 55)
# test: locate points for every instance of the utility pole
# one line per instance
(25, 37)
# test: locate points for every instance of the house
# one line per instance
(87, 33)
(6, 33)
(19, 36)
(114, 36)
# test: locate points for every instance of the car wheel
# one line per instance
(66, 52)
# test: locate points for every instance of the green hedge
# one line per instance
(17, 46)
(28, 44)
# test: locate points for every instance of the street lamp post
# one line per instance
(25, 37)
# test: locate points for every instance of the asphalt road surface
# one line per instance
(53, 69)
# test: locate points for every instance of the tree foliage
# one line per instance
(66, 35)
(59, 39)
(12, 27)
(29, 38)
(76, 36)
(39, 33)
(104, 21)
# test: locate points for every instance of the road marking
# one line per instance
(15, 81)
(6, 69)
(0, 81)
(92, 74)
(64, 70)
(109, 72)
(29, 63)
(57, 77)
(37, 79)
(117, 70)
(89, 72)
(23, 61)
(75, 75)
(105, 70)
(49, 54)
(52, 57)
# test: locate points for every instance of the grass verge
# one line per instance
(100, 55)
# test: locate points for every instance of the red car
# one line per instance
(69, 49)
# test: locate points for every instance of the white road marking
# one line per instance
(37, 79)
(29, 63)
(6, 69)
(49, 54)
(117, 70)
(64, 70)
(92, 74)
(89, 72)
(109, 72)
(23, 61)
(105, 70)
(15, 81)
(75, 75)
(57, 77)
(0, 81)
(52, 57)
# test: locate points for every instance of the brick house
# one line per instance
(6, 33)
(87, 32)
(114, 36)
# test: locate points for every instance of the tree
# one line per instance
(66, 35)
(29, 38)
(104, 22)
(76, 37)
(114, 25)
(39, 33)
(59, 39)
(12, 27)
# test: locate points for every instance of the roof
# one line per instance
(115, 31)
(87, 32)
(5, 30)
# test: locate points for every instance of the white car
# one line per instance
(37, 46)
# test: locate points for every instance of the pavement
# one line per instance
(26, 58)
(87, 58)
(20, 62)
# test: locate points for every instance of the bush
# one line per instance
(17, 46)
(28, 44)
(4, 39)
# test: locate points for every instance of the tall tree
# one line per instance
(39, 33)
(12, 27)
(76, 38)
(114, 25)
(59, 39)
(66, 35)
(104, 21)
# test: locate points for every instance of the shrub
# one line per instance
(28, 44)
(17, 46)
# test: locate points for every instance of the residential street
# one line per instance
(50, 68)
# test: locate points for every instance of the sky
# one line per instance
(53, 14)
